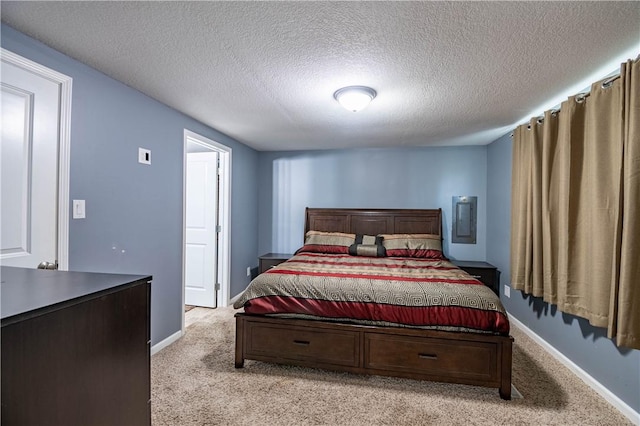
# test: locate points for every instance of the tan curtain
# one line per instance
(575, 233)
(520, 211)
(554, 196)
(624, 320)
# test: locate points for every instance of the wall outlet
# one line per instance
(144, 156)
(248, 271)
(507, 291)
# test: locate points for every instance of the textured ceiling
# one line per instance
(446, 73)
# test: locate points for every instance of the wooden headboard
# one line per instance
(374, 221)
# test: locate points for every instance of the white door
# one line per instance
(29, 167)
(201, 222)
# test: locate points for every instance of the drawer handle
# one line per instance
(302, 342)
(476, 276)
(427, 356)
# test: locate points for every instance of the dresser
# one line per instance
(75, 348)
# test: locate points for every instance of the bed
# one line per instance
(371, 310)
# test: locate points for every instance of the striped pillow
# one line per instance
(426, 246)
(367, 245)
(327, 242)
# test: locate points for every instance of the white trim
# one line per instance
(612, 399)
(64, 142)
(224, 251)
(166, 342)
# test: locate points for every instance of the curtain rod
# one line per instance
(580, 97)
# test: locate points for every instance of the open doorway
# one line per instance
(206, 222)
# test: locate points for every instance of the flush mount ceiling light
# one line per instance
(354, 98)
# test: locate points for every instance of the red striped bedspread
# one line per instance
(390, 291)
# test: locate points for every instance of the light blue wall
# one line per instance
(368, 178)
(139, 208)
(618, 369)
(134, 212)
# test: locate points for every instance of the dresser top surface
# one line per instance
(24, 290)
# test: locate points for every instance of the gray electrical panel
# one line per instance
(464, 219)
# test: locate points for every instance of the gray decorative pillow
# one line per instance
(367, 245)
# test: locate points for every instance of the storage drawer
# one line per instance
(471, 360)
(322, 346)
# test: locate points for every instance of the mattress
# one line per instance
(381, 291)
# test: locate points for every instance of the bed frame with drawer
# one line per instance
(455, 357)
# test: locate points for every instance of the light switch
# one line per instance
(78, 209)
(144, 156)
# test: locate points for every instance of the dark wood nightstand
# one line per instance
(483, 271)
(269, 260)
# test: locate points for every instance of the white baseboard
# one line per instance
(612, 399)
(166, 342)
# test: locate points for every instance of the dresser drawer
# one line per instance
(471, 360)
(320, 346)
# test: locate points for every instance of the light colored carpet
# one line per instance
(194, 382)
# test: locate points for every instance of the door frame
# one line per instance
(224, 215)
(64, 143)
